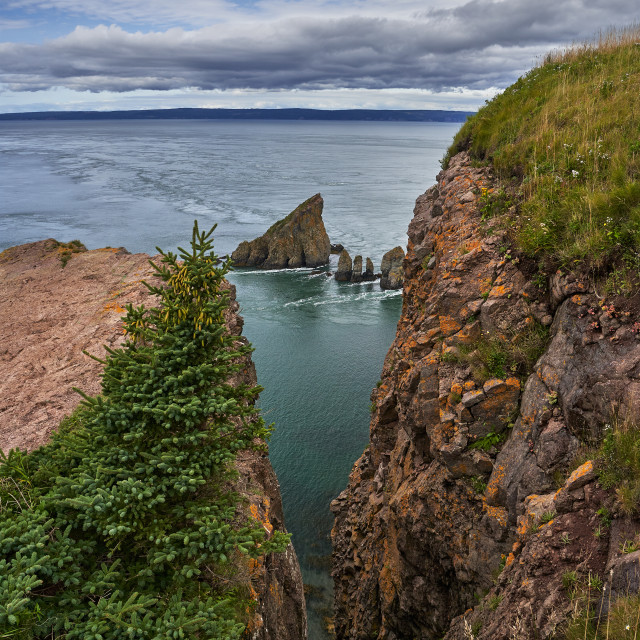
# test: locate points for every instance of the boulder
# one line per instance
(345, 267)
(337, 249)
(299, 240)
(392, 272)
(356, 273)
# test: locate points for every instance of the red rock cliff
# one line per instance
(461, 462)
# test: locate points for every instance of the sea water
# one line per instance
(319, 344)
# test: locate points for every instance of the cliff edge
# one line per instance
(467, 495)
(54, 306)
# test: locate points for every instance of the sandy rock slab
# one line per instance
(49, 314)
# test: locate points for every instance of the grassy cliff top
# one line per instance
(564, 142)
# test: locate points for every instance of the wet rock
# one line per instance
(345, 267)
(299, 240)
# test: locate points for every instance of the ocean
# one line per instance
(319, 345)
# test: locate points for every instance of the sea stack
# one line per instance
(299, 240)
(392, 274)
(345, 267)
(369, 274)
(356, 273)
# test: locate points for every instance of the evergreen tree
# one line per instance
(124, 526)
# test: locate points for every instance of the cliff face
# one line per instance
(299, 240)
(48, 316)
(470, 439)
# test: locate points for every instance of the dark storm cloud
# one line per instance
(476, 45)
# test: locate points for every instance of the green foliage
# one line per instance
(547, 517)
(494, 203)
(494, 602)
(66, 249)
(589, 622)
(618, 462)
(499, 356)
(569, 133)
(487, 442)
(479, 484)
(124, 526)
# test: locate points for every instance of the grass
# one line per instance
(618, 462)
(621, 622)
(65, 250)
(495, 356)
(564, 142)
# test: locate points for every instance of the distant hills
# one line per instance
(373, 115)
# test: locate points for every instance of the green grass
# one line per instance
(495, 356)
(564, 141)
(618, 462)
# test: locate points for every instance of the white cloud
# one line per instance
(271, 45)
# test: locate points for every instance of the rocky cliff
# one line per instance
(464, 515)
(299, 240)
(49, 314)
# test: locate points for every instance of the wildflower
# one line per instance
(574, 173)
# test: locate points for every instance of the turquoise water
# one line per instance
(319, 344)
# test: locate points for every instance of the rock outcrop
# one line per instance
(48, 316)
(369, 273)
(299, 240)
(466, 455)
(391, 267)
(356, 273)
(345, 267)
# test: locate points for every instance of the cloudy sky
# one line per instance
(327, 54)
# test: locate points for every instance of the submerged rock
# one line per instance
(392, 273)
(345, 267)
(299, 240)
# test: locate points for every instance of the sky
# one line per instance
(324, 54)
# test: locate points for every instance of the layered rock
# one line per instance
(345, 267)
(48, 316)
(391, 267)
(299, 240)
(461, 462)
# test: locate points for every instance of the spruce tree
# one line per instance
(124, 525)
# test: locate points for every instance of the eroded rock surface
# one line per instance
(299, 240)
(461, 463)
(48, 316)
(345, 267)
(391, 267)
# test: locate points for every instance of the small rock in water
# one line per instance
(345, 267)
(392, 272)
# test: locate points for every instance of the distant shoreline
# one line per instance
(365, 115)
